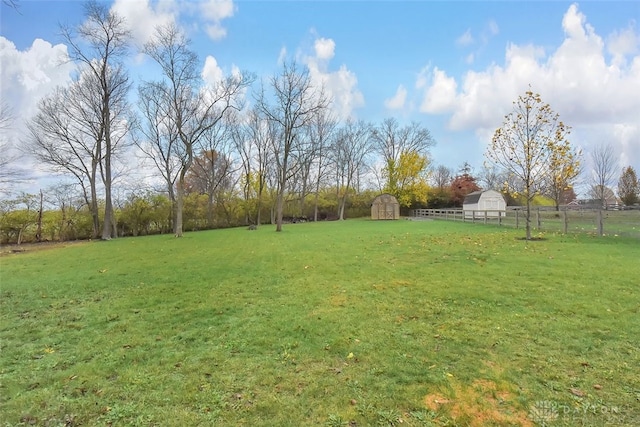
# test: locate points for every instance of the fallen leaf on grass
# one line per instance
(577, 392)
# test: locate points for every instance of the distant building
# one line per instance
(488, 200)
(385, 206)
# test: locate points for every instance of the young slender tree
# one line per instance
(629, 187)
(525, 145)
(603, 173)
(296, 101)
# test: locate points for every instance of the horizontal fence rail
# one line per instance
(565, 220)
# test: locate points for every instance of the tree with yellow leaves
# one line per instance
(564, 168)
(407, 178)
(531, 141)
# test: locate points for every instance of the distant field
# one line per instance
(355, 323)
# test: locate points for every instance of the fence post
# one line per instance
(600, 223)
(517, 220)
(538, 223)
(565, 217)
(485, 216)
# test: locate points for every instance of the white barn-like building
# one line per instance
(490, 201)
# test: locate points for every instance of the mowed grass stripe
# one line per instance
(424, 322)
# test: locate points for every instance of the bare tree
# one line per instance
(100, 45)
(350, 150)
(296, 103)
(441, 177)
(253, 140)
(10, 171)
(157, 138)
(492, 177)
(393, 142)
(603, 173)
(192, 107)
(65, 135)
(321, 133)
(211, 171)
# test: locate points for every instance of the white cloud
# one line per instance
(398, 100)
(217, 10)
(340, 85)
(29, 75)
(25, 78)
(576, 79)
(622, 43)
(214, 12)
(465, 39)
(492, 28)
(282, 56)
(440, 97)
(211, 72)
(142, 18)
(324, 48)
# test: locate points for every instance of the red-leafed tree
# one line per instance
(462, 185)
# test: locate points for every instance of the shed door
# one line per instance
(389, 211)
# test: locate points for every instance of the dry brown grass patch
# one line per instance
(483, 403)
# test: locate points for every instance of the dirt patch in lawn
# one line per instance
(32, 247)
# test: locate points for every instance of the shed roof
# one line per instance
(386, 198)
(472, 197)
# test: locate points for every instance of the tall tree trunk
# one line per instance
(93, 207)
(39, 230)
(177, 226)
(279, 208)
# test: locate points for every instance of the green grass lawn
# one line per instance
(344, 323)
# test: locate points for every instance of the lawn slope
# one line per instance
(343, 323)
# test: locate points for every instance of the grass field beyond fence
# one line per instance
(355, 323)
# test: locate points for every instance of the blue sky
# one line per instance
(454, 66)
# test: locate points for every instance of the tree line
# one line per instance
(224, 153)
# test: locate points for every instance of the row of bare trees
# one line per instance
(202, 136)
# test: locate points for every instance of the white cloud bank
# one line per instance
(593, 84)
(29, 75)
(143, 16)
(26, 77)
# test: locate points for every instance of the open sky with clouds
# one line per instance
(456, 67)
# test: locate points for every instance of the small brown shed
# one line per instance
(385, 206)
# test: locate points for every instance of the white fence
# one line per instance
(566, 220)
